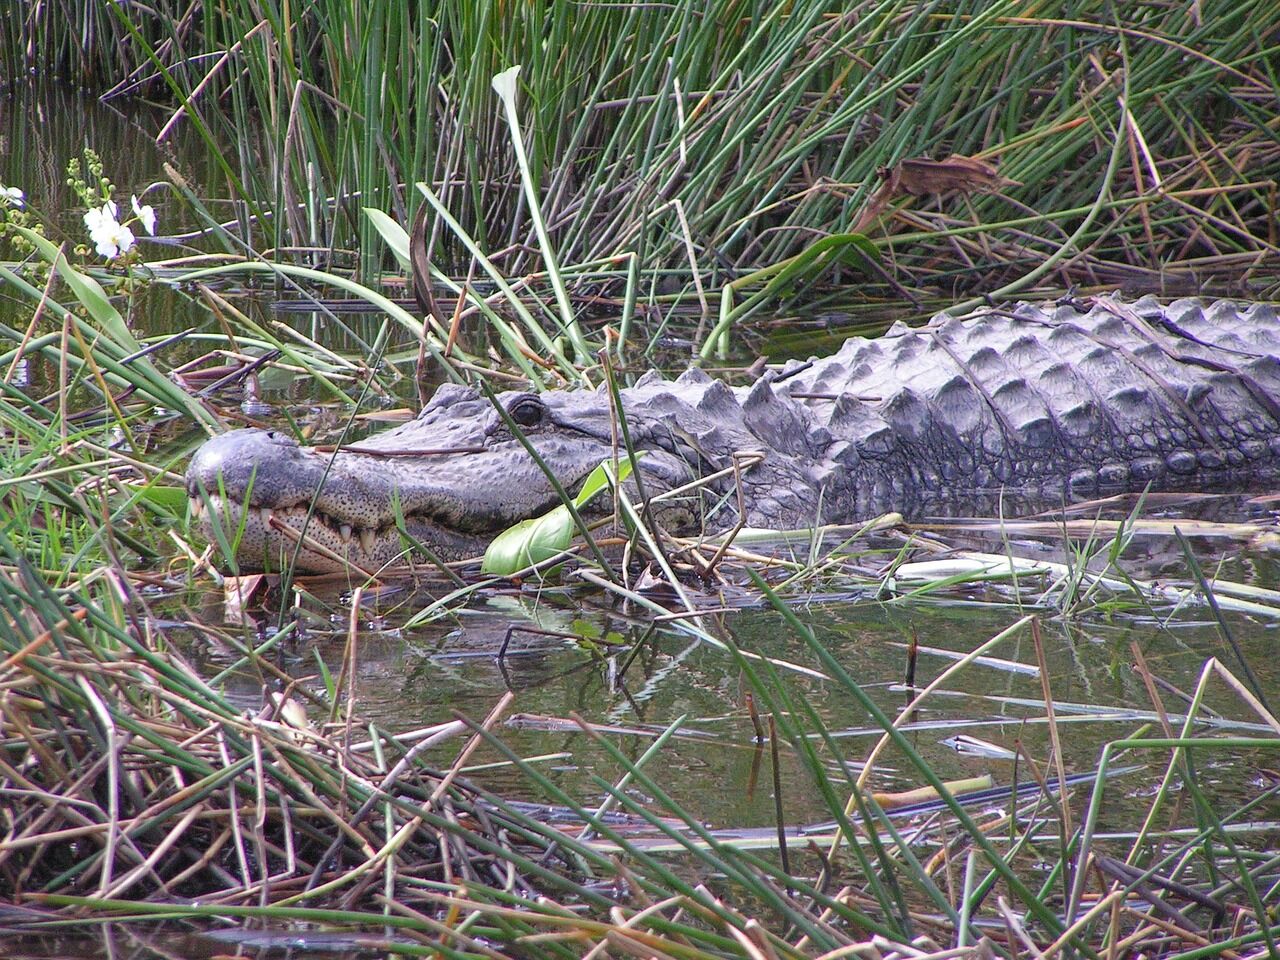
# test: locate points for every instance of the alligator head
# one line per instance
(453, 478)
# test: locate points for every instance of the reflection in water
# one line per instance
(164, 942)
(44, 125)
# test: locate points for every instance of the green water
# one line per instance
(411, 678)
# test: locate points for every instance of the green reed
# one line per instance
(719, 140)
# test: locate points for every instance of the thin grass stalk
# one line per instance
(499, 280)
(743, 868)
(1070, 244)
(652, 751)
(177, 89)
(1114, 747)
(504, 84)
(1204, 811)
(653, 867)
(884, 885)
(1255, 687)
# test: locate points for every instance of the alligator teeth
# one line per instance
(344, 532)
(196, 506)
(366, 540)
(264, 514)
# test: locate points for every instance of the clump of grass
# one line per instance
(171, 793)
(1134, 144)
(171, 789)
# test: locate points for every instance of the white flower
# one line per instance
(11, 196)
(112, 240)
(96, 217)
(110, 237)
(146, 215)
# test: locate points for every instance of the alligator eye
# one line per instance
(527, 411)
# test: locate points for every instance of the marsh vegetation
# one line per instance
(615, 758)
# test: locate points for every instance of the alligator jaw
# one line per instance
(269, 538)
(352, 503)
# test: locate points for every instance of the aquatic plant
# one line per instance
(709, 142)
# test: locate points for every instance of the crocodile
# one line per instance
(1051, 401)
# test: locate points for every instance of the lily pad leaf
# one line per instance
(529, 542)
(532, 541)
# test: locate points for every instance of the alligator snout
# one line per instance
(258, 467)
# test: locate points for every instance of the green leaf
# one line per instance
(853, 249)
(529, 542)
(169, 497)
(586, 629)
(599, 479)
(326, 675)
(537, 539)
(394, 235)
(88, 291)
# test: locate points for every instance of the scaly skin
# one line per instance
(1037, 401)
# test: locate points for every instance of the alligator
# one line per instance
(1060, 401)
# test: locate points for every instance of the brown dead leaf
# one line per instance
(237, 592)
(922, 177)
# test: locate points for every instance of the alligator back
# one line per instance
(1110, 395)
